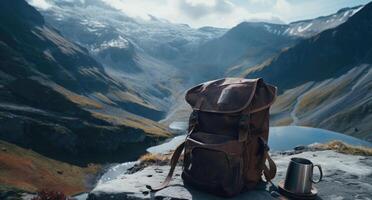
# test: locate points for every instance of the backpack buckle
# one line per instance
(263, 144)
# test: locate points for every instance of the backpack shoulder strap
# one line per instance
(270, 172)
(177, 153)
(174, 160)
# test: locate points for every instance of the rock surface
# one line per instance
(132, 186)
(345, 177)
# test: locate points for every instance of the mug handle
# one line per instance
(321, 174)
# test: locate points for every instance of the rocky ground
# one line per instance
(346, 176)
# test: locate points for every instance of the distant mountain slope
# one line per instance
(311, 27)
(145, 52)
(156, 37)
(57, 100)
(250, 43)
(248, 39)
(325, 81)
(332, 52)
(342, 104)
(280, 37)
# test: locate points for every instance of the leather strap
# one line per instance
(194, 120)
(176, 155)
(270, 172)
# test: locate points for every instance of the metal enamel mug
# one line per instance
(299, 177)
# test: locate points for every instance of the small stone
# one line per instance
(59, 171)
(290, 153)
(299, 148)
(150, 175)
(4, 149)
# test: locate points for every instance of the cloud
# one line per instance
(197, 8)
(284, 8)
(269, 19)
(219, 13)
(196, 13)
(143, 8)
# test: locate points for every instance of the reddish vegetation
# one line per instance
(26, 170)
(50, 195)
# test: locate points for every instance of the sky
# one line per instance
(224, 13)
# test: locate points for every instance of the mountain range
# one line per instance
(159, 48)
(135, 51)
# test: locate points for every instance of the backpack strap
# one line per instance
(176, 155)
(194, 117)
(244, 125)
(194, 120)
(270, 172)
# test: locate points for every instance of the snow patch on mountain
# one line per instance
(120, 42)
(308, 28)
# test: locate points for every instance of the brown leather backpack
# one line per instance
(226, 147)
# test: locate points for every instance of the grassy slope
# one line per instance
(29, 171)
(339, 104)
(150, 127)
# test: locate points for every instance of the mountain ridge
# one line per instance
(331, 71)
(55, 98)
(314, 58)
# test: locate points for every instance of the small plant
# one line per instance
(345, 148)
(50, 195)
(154, 158)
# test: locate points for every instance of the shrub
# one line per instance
(345, 148)
(50, 195)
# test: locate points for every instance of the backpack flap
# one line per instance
(264, 97)
(231, 95)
